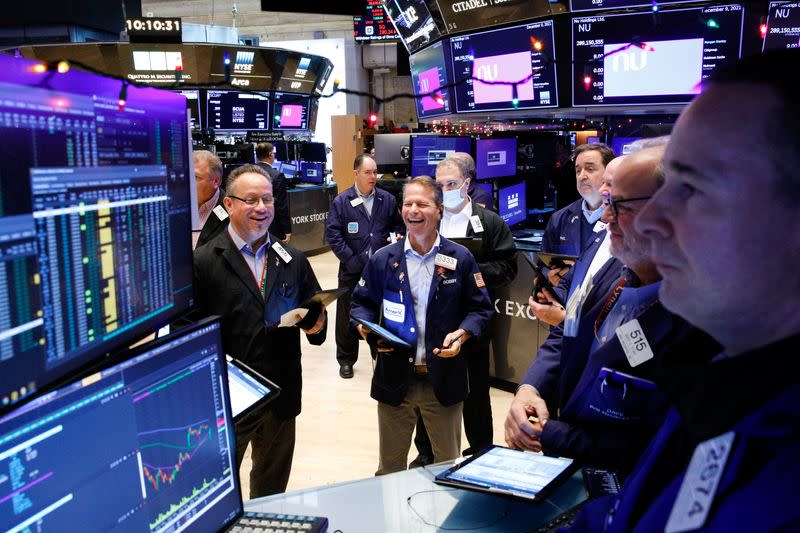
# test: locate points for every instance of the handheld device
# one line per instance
(543, 282)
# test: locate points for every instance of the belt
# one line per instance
(421, 369)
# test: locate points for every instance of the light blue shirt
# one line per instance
(368, 200)
(420, 276)
(591, 216)
(632, 302)
(256, 260)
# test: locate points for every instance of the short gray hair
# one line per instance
(456, 162)
(233, 177)
(211, 159)
(428, 183)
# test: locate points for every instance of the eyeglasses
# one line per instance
(369, 172)
(614, 204)
(252, 202)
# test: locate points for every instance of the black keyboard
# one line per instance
(564, 519)
(252, 522)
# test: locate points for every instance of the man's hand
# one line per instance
(286, 239)
(451, 346)
(522, 434)
(319, 324)
(363, 331)
(554, 275)
(552, 312)
(372, 338)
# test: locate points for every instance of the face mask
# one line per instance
(452, 198)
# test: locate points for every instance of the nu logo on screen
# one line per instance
(513, 200)
(629, 61)
(244, 61)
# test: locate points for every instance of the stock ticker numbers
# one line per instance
(374, 24)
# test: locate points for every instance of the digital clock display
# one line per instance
(143, 29)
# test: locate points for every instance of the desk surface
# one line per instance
(409, 502)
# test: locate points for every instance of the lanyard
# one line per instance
(608, 305)
(263, 284)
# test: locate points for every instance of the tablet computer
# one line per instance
(542, 277)
(556, 260)
(325, 297)
(382, 332)
(499, 470)
(473, 245)
(249, 390)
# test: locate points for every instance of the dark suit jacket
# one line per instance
(282, 224)
(457, 299)
(497, 258)
(567, 231)
(214, 225)
(225, 286)
(479, 195)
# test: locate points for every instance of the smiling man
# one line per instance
(428, 291)
(250, 279)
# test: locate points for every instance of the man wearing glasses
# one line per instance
(358, 225)
(250, 279)
(607, 403)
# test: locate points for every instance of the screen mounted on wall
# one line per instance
(430, 70)
(783, 26)
(492, 63)
(374, 24)
(637, 58)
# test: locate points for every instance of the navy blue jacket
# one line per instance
(608, 422)
(457, 299)
(755, 395)
(478, 195)
(567, 231)
(352, 234)
(545, 369)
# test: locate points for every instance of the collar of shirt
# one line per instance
(206, 208)
(364, 196)
(243, 246)
(591, 216)
(434, 249)
(455, 224)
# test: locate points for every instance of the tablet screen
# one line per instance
(245, 390)
(522, 474)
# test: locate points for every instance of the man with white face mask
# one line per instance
(497, 261)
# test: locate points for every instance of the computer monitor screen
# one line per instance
(520, 56)
(431, 70)
(664, 64)
(373, 24)
(290, 111)
(237, 111)
(413, 22)
(511, 204)
(495, 158)
(783, 26)
(146, 445)
(589, 5)
(312, 172)
(312, 151)
(193, 103)
(95, 247)
(392, 149)
(622, 145)
(289, 169)
(428, 150)
(282, 151)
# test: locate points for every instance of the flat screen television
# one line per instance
(636, 59)
(290, 111)
(591, 5)
(313, 151)
(193, 103)
(495, 157)
(783, 26)
(431, 69)
(312, 172)
(95, 226)
(373, 24)
(413, 21)
(237, 111)
(392, 152)
(493, 62)
(428, 150)
(511, 204)
(622, 145)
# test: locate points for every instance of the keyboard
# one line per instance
(252, 522)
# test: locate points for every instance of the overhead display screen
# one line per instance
(374, 24)
(588, 5)
(630, 59)
(783, 26)
(520, 55)
(232, 110)
(193, 104)
(430, 70)
(464, 15)
(413, 21)
(290, 111)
